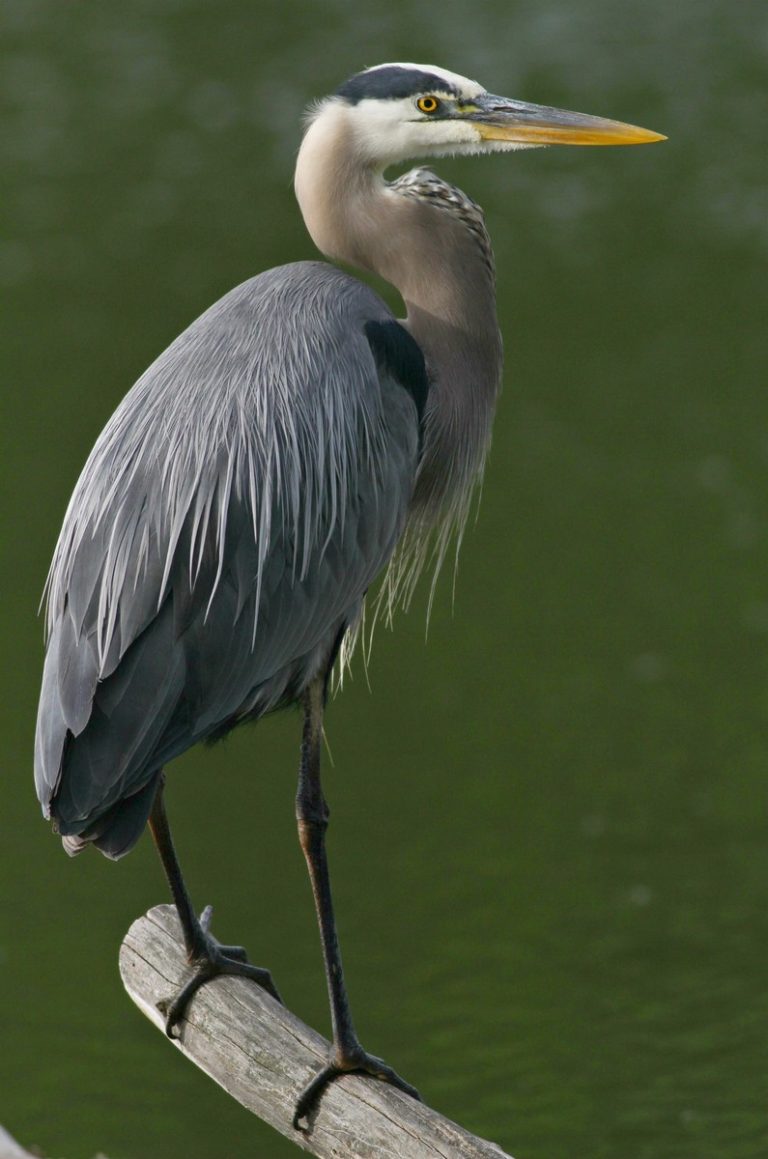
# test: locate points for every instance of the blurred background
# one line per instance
(549, 832)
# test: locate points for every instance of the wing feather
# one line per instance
(225, 528)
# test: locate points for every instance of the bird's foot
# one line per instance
(354, 1060)
(210, 959)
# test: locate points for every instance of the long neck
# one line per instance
(442, 267)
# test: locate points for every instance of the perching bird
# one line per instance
(289, 445)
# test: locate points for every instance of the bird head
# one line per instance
(398, 112)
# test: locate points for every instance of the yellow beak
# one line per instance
(501, 119)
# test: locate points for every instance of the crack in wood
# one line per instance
(258, 1051)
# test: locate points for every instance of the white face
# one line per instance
(384, 131)
(390, 131)
(393, 130)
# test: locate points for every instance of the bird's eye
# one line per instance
(427, 104)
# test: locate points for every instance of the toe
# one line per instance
(312, 1092)
(353, 1062)
(235, 953)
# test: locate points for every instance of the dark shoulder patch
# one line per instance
(399, 355)
(391, 83)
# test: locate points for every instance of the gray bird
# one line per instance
(294, 441)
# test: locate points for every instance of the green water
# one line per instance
(549, 832)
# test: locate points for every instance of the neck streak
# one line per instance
(429, 242)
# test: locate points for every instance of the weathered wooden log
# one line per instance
(263, 1055)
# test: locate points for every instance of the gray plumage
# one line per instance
(291, 443)
(200, 578)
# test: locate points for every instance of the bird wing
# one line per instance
(224, 530)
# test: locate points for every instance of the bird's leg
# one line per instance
(312, 817)
(208, 957)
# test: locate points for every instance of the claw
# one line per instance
(210, 960)
(356, 1062)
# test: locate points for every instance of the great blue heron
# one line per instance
(293, 441)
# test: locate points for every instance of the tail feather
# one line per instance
(116, 832)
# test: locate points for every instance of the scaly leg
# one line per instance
(312, 816)
(208, 957)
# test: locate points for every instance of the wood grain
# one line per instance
(263, 1056)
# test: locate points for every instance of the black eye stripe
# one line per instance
(394, 83)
